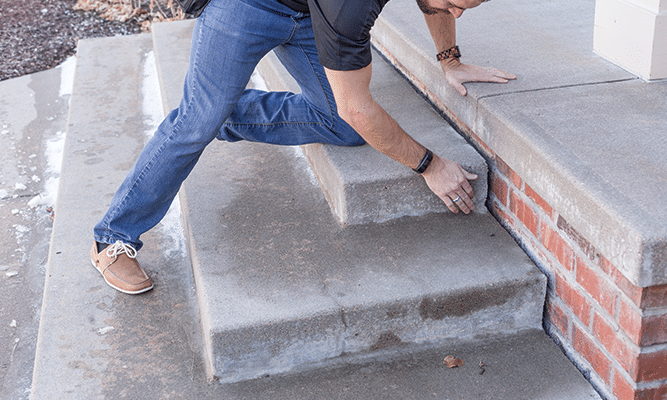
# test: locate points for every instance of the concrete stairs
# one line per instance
(299, 260)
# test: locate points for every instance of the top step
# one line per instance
(361, 185)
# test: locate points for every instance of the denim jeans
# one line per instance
(229, 39)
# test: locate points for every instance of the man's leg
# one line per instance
(229, 38)
(287, 118)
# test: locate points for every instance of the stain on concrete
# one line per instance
(467, 302)
(387, 339)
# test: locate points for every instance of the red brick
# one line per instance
(499, 212)
(654, 330)
(558, 317)
(585, 246)
(659, 393)
(574, 300)
(595, 284)
(630, 321)
(632, 291)
(508, 172)
(605, 265)
(652, 366)
(644, 331)
(592, 353)
(654, 297)
(538, 200)
(619, 348)
(524, 213)
(622, 389)
(499, 188)
(557, 246)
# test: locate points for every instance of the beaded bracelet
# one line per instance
(454, 52)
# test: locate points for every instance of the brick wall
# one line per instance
(615, 332)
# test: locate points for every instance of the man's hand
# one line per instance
(457, 74)
(449, 181)
(356, 106)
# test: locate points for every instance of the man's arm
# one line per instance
(356, 106)
(443, 31)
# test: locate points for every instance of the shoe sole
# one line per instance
(117, 288)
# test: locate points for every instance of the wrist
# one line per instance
(450, 64)
(425, 162)
(451, 53)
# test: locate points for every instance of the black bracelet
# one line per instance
(426, 161)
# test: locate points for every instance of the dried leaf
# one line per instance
(452, 362)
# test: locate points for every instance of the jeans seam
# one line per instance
(276, 123)
(331, 111)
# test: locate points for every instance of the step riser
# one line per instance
(298, 346)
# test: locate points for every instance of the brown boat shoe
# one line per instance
(120, 269)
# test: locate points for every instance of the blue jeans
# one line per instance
(229, 39)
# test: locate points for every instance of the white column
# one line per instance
(633, 34)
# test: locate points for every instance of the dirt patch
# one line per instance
(36, 35)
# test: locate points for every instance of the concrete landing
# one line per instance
(586, 135)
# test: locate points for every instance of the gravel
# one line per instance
(36, 35)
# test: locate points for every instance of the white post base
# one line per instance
(633, 34)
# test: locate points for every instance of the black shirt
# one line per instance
(342, 30)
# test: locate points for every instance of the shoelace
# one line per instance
(119, 248)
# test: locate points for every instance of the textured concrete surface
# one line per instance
(281, 284)
(95, 342)
(585, 134)
(358, 289)
(33, 118)
(527, 366)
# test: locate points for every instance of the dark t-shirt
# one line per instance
(342, 30)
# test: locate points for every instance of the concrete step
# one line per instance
(360, 184)
(94, 342)
(283, 288)
(301, 292)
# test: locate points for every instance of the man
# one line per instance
(325, 45)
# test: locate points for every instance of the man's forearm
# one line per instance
(357, 107)
(443, 30)
(382, 132)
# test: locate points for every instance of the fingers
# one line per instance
(450, 182)
(459, 200)
(460, 88)
(496, 75)
(502, 74)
